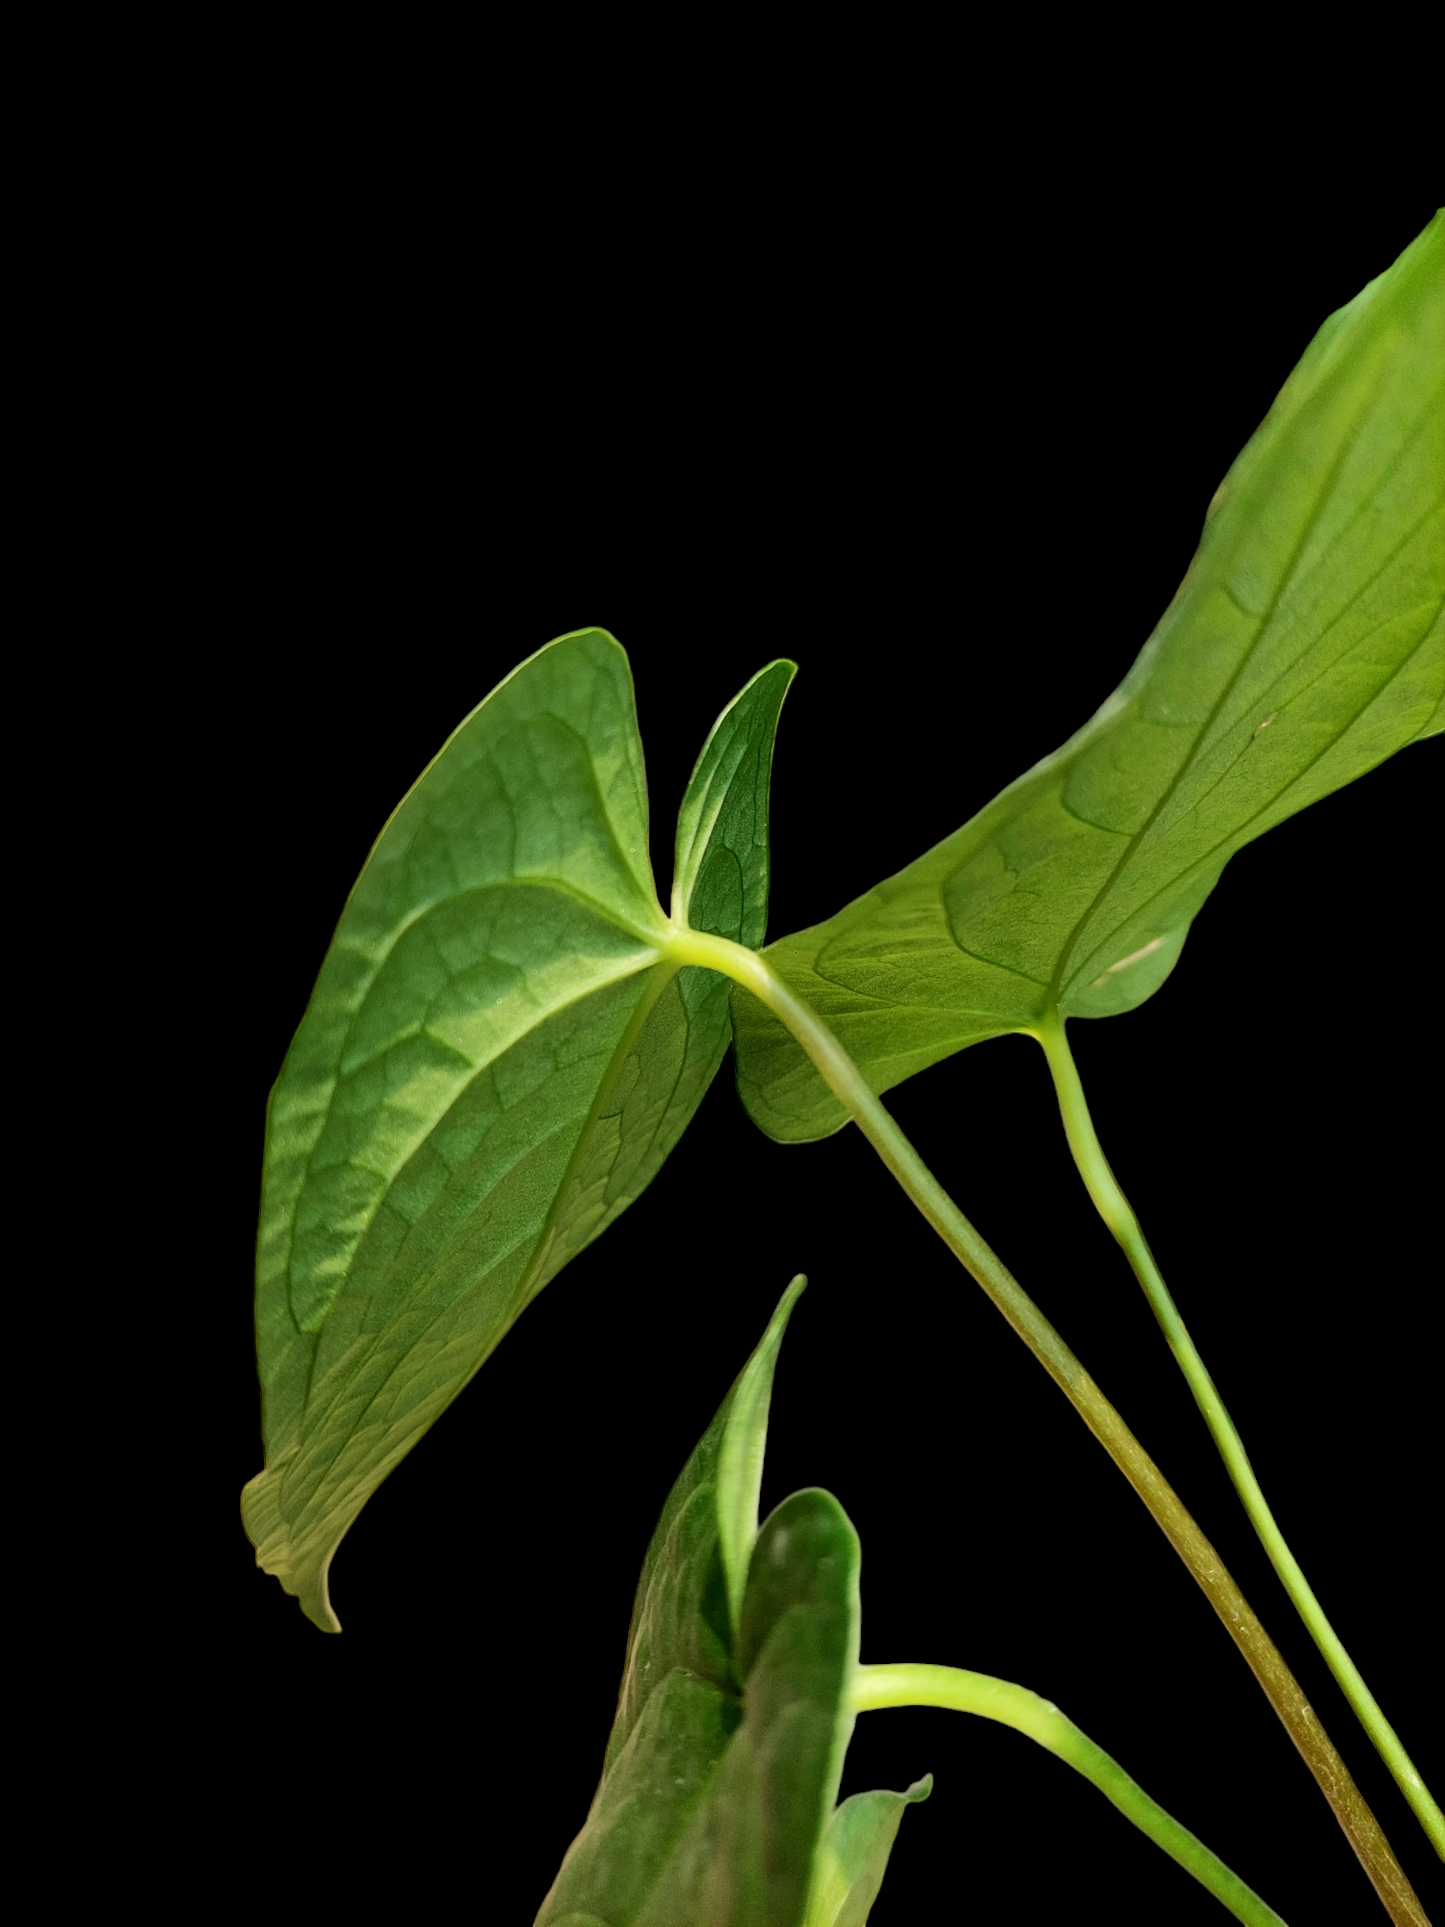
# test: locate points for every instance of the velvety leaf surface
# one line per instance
(1305, 645)
(853, 1855)
(495, 1061)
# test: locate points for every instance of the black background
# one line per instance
(952, 453)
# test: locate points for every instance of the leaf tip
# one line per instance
(742, 1449)
(305, 1577)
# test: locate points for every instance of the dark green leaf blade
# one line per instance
(746, 1858)
(645, 1805)
(1305, 645)
(697, 1560)
(495, 1061)
(720, 869)
(680, 1698)
(853, 1855)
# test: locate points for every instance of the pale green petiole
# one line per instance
(1041, 1720)
(846, 1081)
(1114, 1208)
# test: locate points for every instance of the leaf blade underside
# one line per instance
(496, 1060)
(1305, 645)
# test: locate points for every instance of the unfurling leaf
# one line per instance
(1305, 645)
(716, 1802)
(496, 1059)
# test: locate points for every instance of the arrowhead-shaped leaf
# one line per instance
(728, 1744)
(1305, 645)
(496, 1059)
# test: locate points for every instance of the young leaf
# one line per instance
(725, 1753)
(720, 873)
(746, 1859)
(1305, 645)
(496, 1059)
(853, 1855)
(743, 1446)
(728, 1744)
(711, 1813)
(689, 1597)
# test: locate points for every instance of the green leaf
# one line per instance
(727, 1748)
(720, 873)
(711, 1812)
(689, 1597)
(496, 1059)
(1305, 645)
(853, 1855)
(746, 1859)
(741, 1452)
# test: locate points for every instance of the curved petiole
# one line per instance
(1281, 1688)
(1040, 1720)
(1114, 1208)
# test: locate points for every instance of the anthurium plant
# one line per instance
(510, 1033)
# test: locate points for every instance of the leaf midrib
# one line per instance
(522, 1295)
(1202, 861)
(479, 890)
(562, 887)
(1296, 775)
(630, 968)
(1285, 581)
(1327, 668)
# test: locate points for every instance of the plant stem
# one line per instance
(1114, 1208)
(1039, 1719)
(848, 1085)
